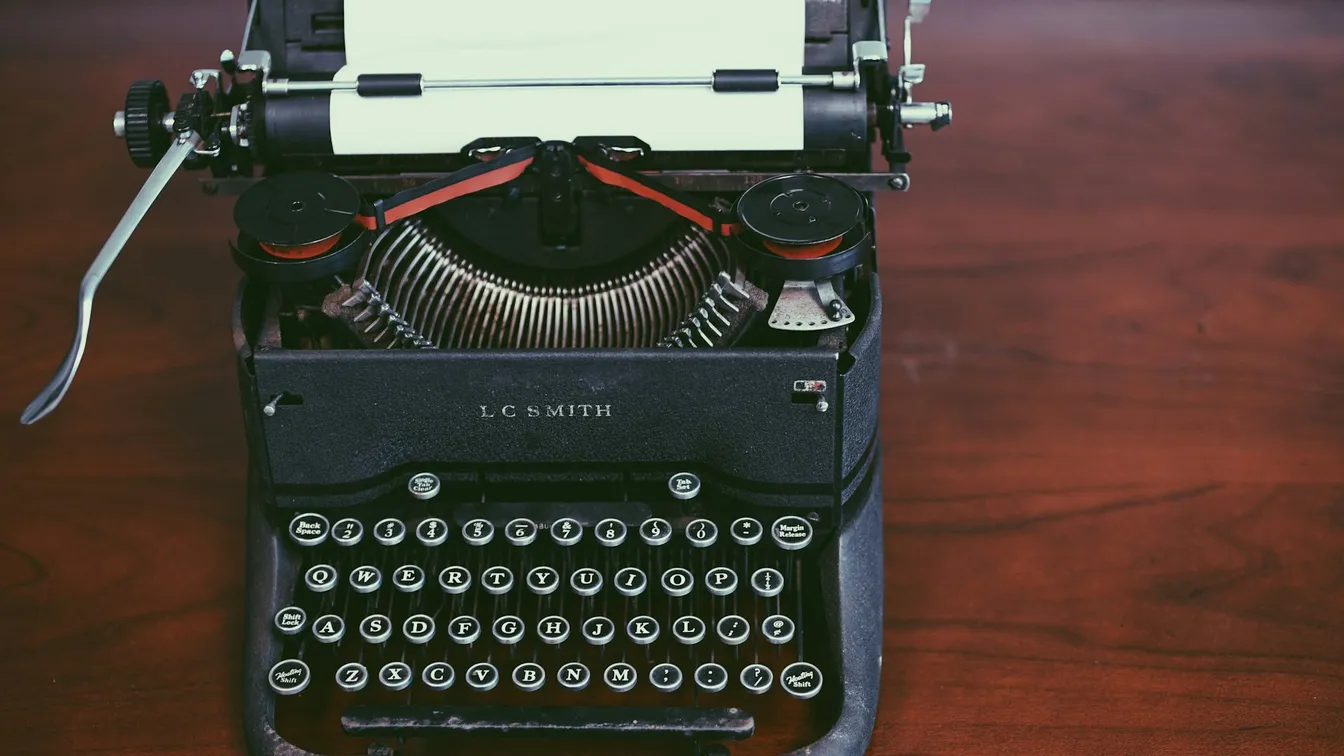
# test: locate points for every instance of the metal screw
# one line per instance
(822, 406)
(269, 409)
(900, 182)
(199, 78)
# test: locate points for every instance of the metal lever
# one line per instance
(65, 374)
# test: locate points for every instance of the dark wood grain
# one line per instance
(1113, 387)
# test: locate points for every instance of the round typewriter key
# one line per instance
(497, 581)
(586, 581)
(423, 486)
(756, 678)
(702, 533)
(711, 677)
(507, 629)
(733, 630)
(328, 628)
(389, 532)
(610, 532)
(454, 580)
(520, 532)
(431, 531)
(320, 578)
(464, 630)
(630, 581)
(573, 676)
(746, 531)
(375, 628)
(366, 579)
(482, 676)
(678, 581)
(290, 620)
(408, 578)
(289, 677)
(689, 630)
(395, 675)
(655, 531)
(777, 629)
(566, 531)
(642, 630)
(721, 581)
(767, 582)
(418, 628)
(478, 532)
(665, 677)
(791, 533)
(800, 680)
(347, 532)
(529, 676)
(599, 630)
(542, 580)
(684, 486)
(309, 529)
(620, 677)
(553, 630)
(438, 676)
(352, 677)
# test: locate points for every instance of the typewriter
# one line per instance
(558, 347)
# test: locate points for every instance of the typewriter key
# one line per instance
(702, 533)
(655, 531)
(507, 629)
(395, 675)
(520, 532)
(289, 677)
(497, 581)
(630, 581)
(586, 581)
(689, 630)
(424, 486)
(801, 680)
(478, 532)
(573, 676)
(684, 486)
(366, 579)
(791, 533)
(553, 630)
(543, 580)
(746, 531)
(642, 630)
(389, 532)
(529, 676)
(767, 582)
(309, 529)
(347, 532)
(711, 677)
(290, 620)
(599, 630)
(665, 677)
(464, 630)
(431, 531)
(482, 676)
(408, 578)
(454, 580)
(352, 677)
(320, 578)
(756, 678)
(677, 581)
(438, 676)
(721, 581)
(418, 629)
(610, 532)
(733, 630)
(566, 531)
(777, 629)
(375, 628)
(328, 628)
(620, 677)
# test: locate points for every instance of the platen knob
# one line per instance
(142, 122)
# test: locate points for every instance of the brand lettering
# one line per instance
(535, 411)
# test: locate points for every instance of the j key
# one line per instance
(721, 581)
(438, 676)
(478, 532)
(347, 532)
(408, 579)
(677, 581)
(702, 533)
(767, 582)
(375, 628)
(464, 630)
(610, 532)
(418, 628)
(507, 629)
(566, 531)
(756, 678)
(290, 620)
(389, 532)
(520, 532)
(352, 677)
(289, 677)
(586, 581)
(482, 676)
(801, 680)
(553, 630)
(573, 676)
(599, 630)
(711, 677)
(630, 581)
(642, 630)
(454, 580)
(746, 531)
(791, 533)
(689, 630)
(655, 531)
(542, 580)
(328, 628)
(777, 629)
(309, 529)
(431, 531)
(395, 675)
(620, 677)
(529, 676)
(497, 580)
(366, 579)
(665, 677)
(733, 630)
(320, 578)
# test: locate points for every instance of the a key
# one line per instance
(733, 630)
(573, 676)
(482, 676)
(529, 676)
(454, 580)
(395, 675)
(352, 677)
(289, 677)
(553, 630)
(543, 580)
(711, 677)
(791, 533)
(746, 531)
(586, 581)
(418, 629)
(366, 579)
(642, 630)
(756, 678)
(375, 628)
(309, 529)
(328, 628)
(347, 532)
(688, 630)
(610, 532)
(665, 677)
(566, 531)
(599, 631)
(320, 578)
(702, 533)
(620, 677)
(801, 680)
(464, 630)
(721, 581)
(677, 581)
(520, 532)
(438, 676)
(478, 532)
(290, 620)
(408, 578)
(507, 629)
(767, 582)
(389, 532)
(655, 531)
(431, 531)
(777, 629)
(497, 581)
(630, 581)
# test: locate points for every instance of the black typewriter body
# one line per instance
(564, 446)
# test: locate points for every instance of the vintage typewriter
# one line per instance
(558, 343)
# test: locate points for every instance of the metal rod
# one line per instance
(286, 86)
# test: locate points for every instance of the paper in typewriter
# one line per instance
(570, 38)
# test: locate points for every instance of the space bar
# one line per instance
(549, 721)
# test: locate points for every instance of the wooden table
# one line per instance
(1114, 391)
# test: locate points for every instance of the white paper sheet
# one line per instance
(452, 39)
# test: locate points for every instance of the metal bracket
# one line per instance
(809, 306)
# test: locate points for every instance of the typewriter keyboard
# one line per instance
(432, 607)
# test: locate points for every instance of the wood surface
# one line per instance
(1113, 391)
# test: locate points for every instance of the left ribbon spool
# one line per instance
(298, 227)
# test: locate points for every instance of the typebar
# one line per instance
(551, 721)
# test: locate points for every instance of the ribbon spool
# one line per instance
(296, 227)
(803, 226)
